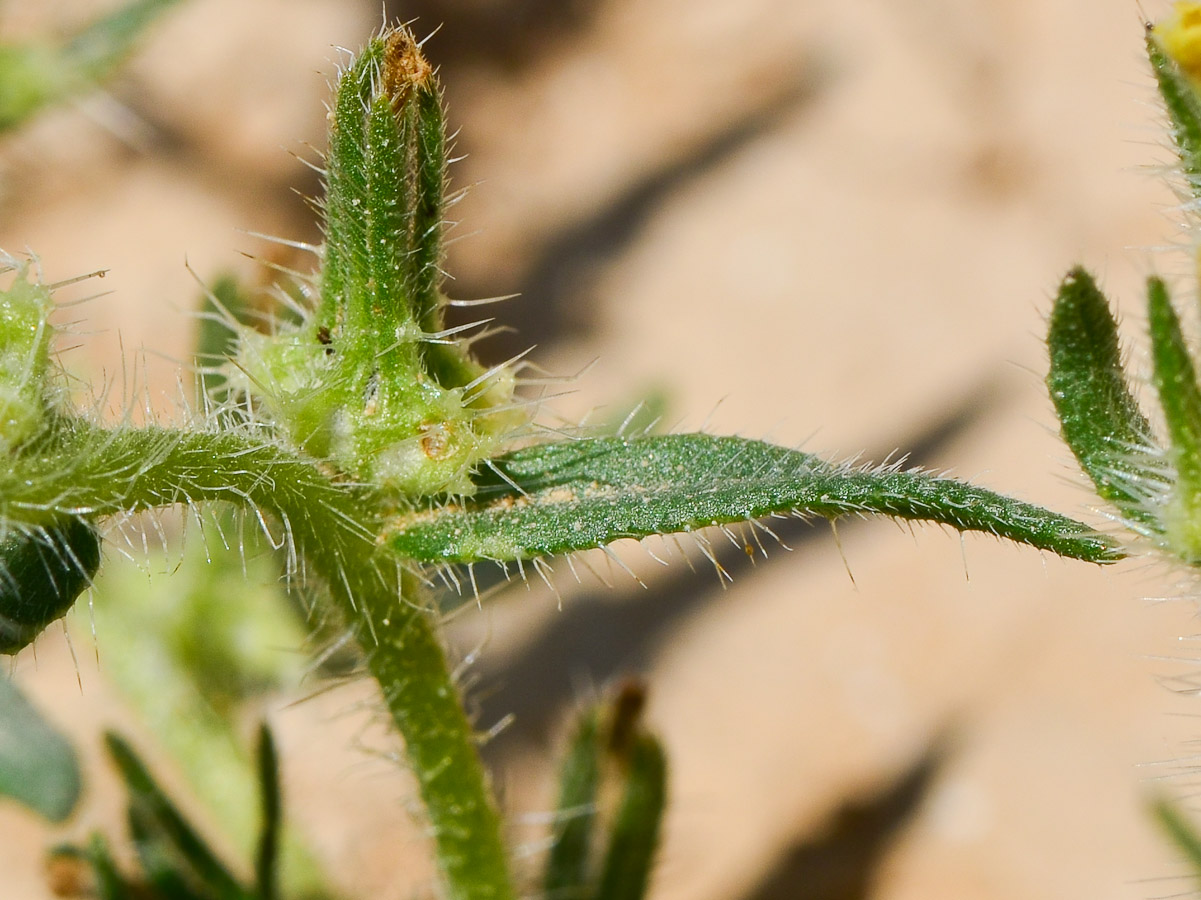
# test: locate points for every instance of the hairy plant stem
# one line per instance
(78, 467)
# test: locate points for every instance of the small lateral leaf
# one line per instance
(1098, 415)
(170, 849)
(567, 864)
(1180, 397)
(576, 495)
(38, 767)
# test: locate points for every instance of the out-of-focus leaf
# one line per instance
(267, 857)
(1180, 830)
(173, 854)
(567, 865)
(635, 834)
(110, 884)
(38, 74)
(38, 767)
(612, 791)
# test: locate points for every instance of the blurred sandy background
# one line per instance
(829, 224)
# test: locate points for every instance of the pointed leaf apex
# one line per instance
(576, 495)
(1098, 415)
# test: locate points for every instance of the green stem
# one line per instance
(79, 468)
(408, 662)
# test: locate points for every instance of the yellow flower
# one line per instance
(1180, 37)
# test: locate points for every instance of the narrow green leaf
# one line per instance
(1183, 107)
(567, 864)
(1099, 417)
(1180, 830)
(635, 834)
(38, 767)
(1176, 381)
(575, 495)
(266, 859)
(170, 849)
(213, 649)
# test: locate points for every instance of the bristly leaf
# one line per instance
(383, 207)
(576, 495)
(1099, 417)
(1180, 397)
(38, 768)
(430, 204)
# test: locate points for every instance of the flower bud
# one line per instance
(369, 381)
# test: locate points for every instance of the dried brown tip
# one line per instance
(627, 712)
(404, 67)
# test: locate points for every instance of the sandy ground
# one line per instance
(835, 225)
